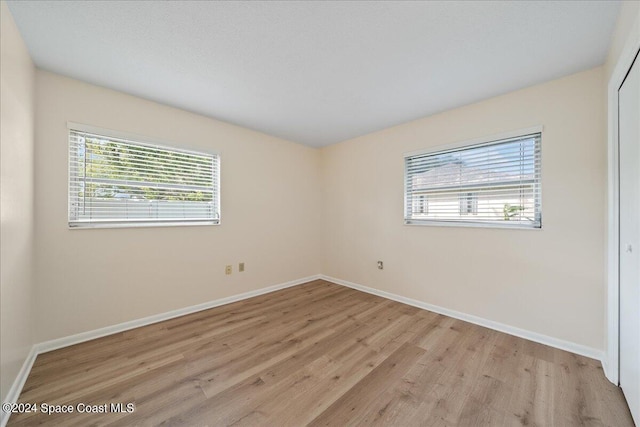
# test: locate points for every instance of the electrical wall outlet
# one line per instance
(241, 267)
(380, 265)
(228, 269)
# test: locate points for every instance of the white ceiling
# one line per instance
(316, 72)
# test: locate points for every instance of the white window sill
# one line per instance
(470, 225)
(83, 226)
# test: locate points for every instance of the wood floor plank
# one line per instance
(355, 404)
(321, 354)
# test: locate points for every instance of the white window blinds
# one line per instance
(118, 182)
(493, 183)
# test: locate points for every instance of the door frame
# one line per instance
(611, 363)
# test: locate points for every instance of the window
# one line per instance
(420, 204)
(468, 204)
(491, 183)
(119, 182)
(423, 204)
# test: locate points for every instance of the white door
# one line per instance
(629, 145)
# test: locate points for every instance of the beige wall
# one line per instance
(548, 281)
(627, 27)
(91, 278)
(16, 201)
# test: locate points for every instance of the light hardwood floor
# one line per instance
(321, 354)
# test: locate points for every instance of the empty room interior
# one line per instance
(258, 213)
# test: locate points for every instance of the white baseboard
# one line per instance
(16, 387)
(605, 369)
(501, 327)
(43, 347)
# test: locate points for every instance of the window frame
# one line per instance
(470, 144)
(148, 142)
